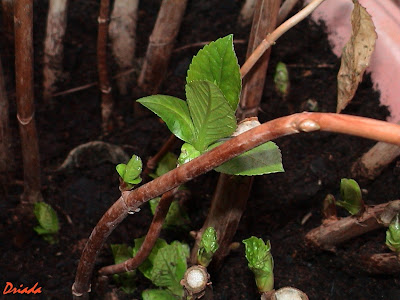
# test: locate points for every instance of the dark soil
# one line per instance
(314, 164)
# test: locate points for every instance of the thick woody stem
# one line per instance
(53, 46)
(270, 39)
(149, 241)
(302, 122)
(23, 24)
(161, 44)
(107, 102)
(333, 232)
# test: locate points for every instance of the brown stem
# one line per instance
(270, 39)
(333, 232)
(23, 14)
(107, 102)
(6, 158)
(161, 44)
(153, 161)
(302, 122)
(149, 241)
(53, 46)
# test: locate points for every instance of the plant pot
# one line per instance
(385, 62)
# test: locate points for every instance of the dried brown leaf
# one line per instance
(356, 55)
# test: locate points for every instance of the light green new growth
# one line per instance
(130, 172)
(208, 246)
(281, 79)
(48, 222)
(393, 235)
(260, 262)
(208, 116)
(350, 193)
(121, 253)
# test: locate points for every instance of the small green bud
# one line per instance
(208, 246)
(260, 262)
(350, 193)
(130, 172)
(393, 235)
(48, 222)
(281, 79)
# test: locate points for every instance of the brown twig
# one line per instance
(270, 39)
(201, 44)
(149, 241)
(333, 232)
(302, 122)
(285, 9)
(107, 102)
(23, 24)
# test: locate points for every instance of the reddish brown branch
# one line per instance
(24, 96)
(302, 122)
(381, 263)
(149, 241)
(107, 102)
(334, 232)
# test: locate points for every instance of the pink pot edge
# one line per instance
(385, 61)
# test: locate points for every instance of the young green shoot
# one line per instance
(393, 235)
(260, 262)
(350, 193)
(208, 246)
(130, 172)
(281, 80)
(48, 222)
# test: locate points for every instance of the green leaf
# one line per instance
(174, 112)
(170, 266)
(350, 193)
(147, 266)
(208, 246)
(158, 295)
(264, 159)
(166, 164)
(212, 116)
(47, 218)
(176, 217)
(393, 235)
(217, 63)
(260, 262)
(188, 153)
(281, 79)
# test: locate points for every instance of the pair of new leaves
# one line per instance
(212, 90)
